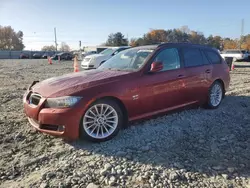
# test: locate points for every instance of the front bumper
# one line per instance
(87, 66)
(57, 122)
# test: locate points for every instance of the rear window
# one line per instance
(192, 57)
(244, 51)
(233, 52)
(213, 57)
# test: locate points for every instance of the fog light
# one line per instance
(61, 128)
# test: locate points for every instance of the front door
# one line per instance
(165, 89)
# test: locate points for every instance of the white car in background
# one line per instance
(237, 55)
(84, 54)
(95, 60)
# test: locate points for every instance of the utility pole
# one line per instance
(242, 32)
(127, 38)
(55, 39)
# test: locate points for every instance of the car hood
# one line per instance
(98, 57)
(69, 84)
(95, 55)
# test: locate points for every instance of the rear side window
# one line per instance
(192, 57)
(213, 57)
(204, 58)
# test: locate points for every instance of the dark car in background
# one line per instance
(37, 55)
(47, 54)
(24, 56)
(63, 56)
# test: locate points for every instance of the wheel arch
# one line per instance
(119, 102)
(223, 85)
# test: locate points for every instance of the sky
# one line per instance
(91, 21)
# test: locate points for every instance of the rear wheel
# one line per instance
(102, 121)
(215, 95)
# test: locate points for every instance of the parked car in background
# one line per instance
(63, 56)
(37, 56)
(237, 55)
(84, 54)
(95, 60)
(46, 54)
(24, 56)
(134, 84)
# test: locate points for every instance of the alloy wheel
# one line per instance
(100, 121)
(216, 95)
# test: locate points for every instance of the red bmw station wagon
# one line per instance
(134, 84)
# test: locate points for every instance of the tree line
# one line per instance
(12, 40)
(181, 35)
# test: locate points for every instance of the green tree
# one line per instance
(177, 35)
(137, 42)
(116, 39)
(49, 48)
(197, 38)
(215, 41)
(10, 40)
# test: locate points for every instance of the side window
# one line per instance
(192, 57)
(213, 57)
(170, 59)
(204, 58)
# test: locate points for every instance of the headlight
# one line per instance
(62, 102)
(87, 59)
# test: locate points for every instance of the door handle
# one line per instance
(181, 76)
(208, 71)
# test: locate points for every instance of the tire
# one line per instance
(94, 126)
(215, 95)
(234, 59)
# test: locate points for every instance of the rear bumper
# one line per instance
(57, 122)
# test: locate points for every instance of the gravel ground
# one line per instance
(193, 148)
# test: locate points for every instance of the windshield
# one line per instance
(127, 60)
(107, 51)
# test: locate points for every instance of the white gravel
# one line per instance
(193, 148)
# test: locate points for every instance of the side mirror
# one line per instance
(156, 67)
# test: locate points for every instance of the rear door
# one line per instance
(198, 72)
(219, 67)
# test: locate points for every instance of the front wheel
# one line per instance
(215, 95)
(102, 121)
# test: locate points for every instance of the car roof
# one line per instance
(175, 45)
(118, 47)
